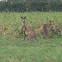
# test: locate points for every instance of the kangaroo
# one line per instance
(58, 29)
(28, 32)
(45, 29)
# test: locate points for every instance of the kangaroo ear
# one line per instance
(24, 17)
(50, 20)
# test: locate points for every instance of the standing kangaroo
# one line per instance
(28, 32)
(45, 29)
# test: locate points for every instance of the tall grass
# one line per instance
(34, 19)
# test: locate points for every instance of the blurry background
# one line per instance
(30, 5)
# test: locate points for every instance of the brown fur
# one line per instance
(58, 29)
(29, 33)
(45, 29)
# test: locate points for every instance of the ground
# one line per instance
(16, 50)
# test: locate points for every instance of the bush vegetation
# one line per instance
(30, 6)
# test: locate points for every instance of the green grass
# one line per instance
(19, 50)
(35, 19)
(15, 50)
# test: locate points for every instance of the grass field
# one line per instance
(15, 50)
(12, 20)
(19, 50)
(35, 19)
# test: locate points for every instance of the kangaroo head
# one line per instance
(23, 19)
(51, 22)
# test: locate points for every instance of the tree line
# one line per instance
(33, 5)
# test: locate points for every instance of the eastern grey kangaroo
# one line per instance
(45, 29)
(28, 32)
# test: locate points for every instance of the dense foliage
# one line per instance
(30, 6)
